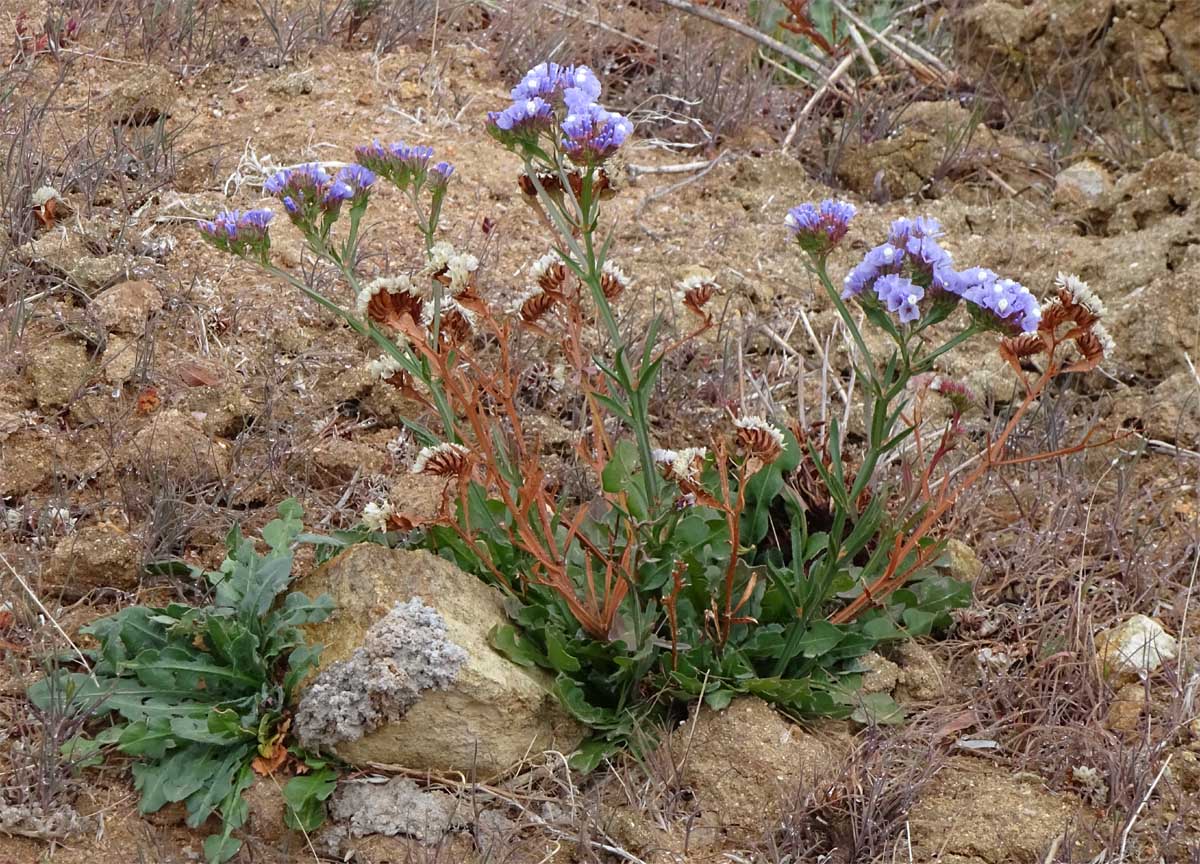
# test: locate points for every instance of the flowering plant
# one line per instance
(766, 562)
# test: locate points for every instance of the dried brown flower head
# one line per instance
(756, 437)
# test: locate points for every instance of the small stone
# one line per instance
(398, 807)
(266, 806)
(1135, 648)
(298, 83)
(962, 562)
(921, 676)
(125, 308)
(142, 97)
(1082, 185)
(340, 459)
(1186, 768)
(58, 370)
(880, 675)
(120, 359)
(1125, 712)
(743, 762)
(95, 557)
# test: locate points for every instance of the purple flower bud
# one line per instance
(237, 232)
(399, 163)
(820, 227)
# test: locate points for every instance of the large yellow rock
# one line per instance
(490, 717)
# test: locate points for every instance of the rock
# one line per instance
(298, 83)
(974, 813)
(921, 676)
(58, 370)
(490, 717)
(382, 849)
(142, 97)
(398, 807)
(1083, 187)
(404, 654)
(95, 557)
(125, 308)
(175, 446)
(1185, 768)
(27, 462)
(65, 253)
(880, 675)
(120, 359)
(1161, 350)
(1125, 712)
(961, 561)
(1134, 648)
(1166, 187)
(742, 764)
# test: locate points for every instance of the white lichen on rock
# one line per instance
(403, 654)
(397, 807)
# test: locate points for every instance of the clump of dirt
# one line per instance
(974, 813)
(1132, 66)
(740, 764)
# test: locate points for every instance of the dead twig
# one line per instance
(749, 32)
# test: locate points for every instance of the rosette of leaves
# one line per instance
(197, 694)
(663, 653)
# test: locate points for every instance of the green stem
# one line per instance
(847, 318)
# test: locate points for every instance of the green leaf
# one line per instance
(220, 780)
(305, 796)
(219, 848)
(514, 646)
(179, 775)
(620, 475)
(820, 638)
(80, 752)
(266, 580)
(556, 652)
(882, 628)
(151, 740)
(718, 700)
(782, 691)
(918, 622)
(573, 699)
(877, 709)
(591, 754)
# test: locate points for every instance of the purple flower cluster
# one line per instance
(546, 80)
(912, 270)
(403, 165)
(999, 303)
(568, 95)
(308, 192)
(238, 232)
(900, 296)
(820, 227)
(358, 179)
(590, 133)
